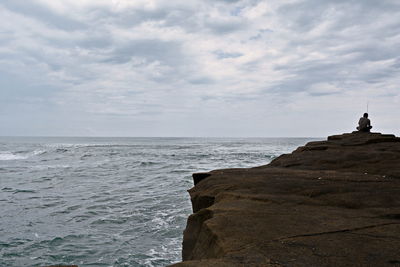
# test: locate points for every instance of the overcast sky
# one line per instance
(198, 68)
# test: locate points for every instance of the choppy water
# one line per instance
(108, 201)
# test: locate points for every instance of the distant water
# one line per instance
(109, 201)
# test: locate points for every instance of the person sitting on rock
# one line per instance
(364, 124)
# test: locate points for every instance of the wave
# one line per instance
(11, 156)
(148, 163)
(49, 167)
(16, 191)
(8, 155)
(67, 146)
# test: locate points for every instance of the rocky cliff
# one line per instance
(329, 203)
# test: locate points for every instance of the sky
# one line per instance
(209, 68)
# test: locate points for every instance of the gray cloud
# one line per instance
(226, 64)
(152, 50)
(43, 13)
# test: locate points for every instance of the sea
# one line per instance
(109, 201)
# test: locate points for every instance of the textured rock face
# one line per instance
(329, 203)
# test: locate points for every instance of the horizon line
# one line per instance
(87, 136)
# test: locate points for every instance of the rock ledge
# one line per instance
(328, 203)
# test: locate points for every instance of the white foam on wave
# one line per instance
(60, 145)
(11, 156)
(8, 155)
(38, 152)
(82, 145)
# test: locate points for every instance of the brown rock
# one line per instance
(329, 203)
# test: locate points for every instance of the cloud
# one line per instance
(169, 65)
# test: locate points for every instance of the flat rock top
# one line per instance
(357, 152)
(329, 203)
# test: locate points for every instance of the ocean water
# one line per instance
(109, 201)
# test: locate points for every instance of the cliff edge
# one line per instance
(328, 203)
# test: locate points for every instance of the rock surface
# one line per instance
(329, 203)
